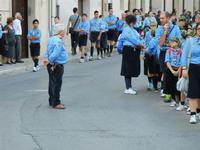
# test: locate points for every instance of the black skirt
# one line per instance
(154, 66)
(194, 82)
(130, 62)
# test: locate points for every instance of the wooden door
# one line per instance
(22, 7)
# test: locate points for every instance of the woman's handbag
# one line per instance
(182, 84)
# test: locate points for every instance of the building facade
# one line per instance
(30, 9)
(167, 5)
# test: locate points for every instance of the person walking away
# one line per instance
(18, 37)
(56, 55)
(9, 48)
(72, 26)
(83, 29)
(132, 46)
(111, 20)
(34, 36)
(95, 24)
(191, 56)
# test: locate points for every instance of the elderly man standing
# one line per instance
(18, 36)
(56, 56)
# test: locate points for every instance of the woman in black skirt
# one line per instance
(192, 50)
(132, 45)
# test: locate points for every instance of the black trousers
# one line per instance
(170, 84)
(55, 84)
(74, 41)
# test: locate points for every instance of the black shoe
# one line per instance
(19, 61)
(1, 64)
(13, 62)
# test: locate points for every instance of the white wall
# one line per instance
(66, 9)
(5, 10)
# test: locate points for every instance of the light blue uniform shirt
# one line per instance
(147, 38)
(111, 19)
(37, 33)
(1, 32)
(103, 26)
(56, 52)
(153, 47)
(138, 21)
(173, 56)
(85, 26)
(120, 25)
(130, 37)
(147, 21)
(174, 32)
(195, 52)
(95, 25)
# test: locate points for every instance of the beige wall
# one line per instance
(5, 10)
(36, 9)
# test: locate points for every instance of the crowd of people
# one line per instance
(168, 43)
(11, 40)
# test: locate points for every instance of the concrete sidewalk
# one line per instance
(27, 66)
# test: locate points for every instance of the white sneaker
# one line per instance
(90, 58)
(173, 103)
(180, 108)
(188, 111)
(130, 91)
(99, 58)
(38, 68)
(162, 94)
(198, 116)
(193, 119)
(82, 60)
(34, 69)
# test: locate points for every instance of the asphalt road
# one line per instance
(98, 115)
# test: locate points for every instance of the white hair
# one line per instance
(18, 14)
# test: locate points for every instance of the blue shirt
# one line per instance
(138, 21)
(37, 33)
(95, 25)
(84, 26)
(1, 32)
(195, 52)
(112, 19)
(130, 37)
(173, 56)
(174, 31)
(153, 46)
(120, 24)
(56, 52)
(147, 21)
(103, 26)
(147, 38)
